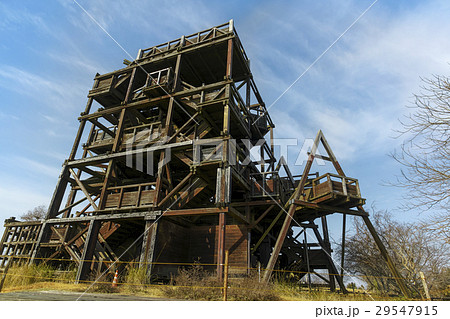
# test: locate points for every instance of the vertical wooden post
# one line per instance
(225, 277)
(272, 147)
(344, 221)
(148, 247)
(221, 245)
(249, 237)
(88, 251)
(308, 276)
(229, 70)
(332, 274)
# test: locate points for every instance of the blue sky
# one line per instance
(50, 52)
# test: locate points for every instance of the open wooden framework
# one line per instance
(165, 174)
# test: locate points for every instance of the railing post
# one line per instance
(344, 186)
(358, 191)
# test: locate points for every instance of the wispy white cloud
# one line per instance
(77, 62)
(57, 94)
(359, 89)
(150, 18)
(7, 116)
(37, 167)
(13, 18)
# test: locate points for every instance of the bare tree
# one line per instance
(36, 213)
(425, 154)
(412, 248)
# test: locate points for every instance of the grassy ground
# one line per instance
(191, 284)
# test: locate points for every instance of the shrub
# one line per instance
(194, 283)
(136, 279)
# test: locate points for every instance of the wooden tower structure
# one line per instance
(161, 174)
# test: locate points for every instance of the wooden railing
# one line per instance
(132, 196)
(332, 183)
(157, 83)
(142, 135)
(99, 136)
(195, 38)
(267, 184)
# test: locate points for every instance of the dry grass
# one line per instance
(28, 275)
(48, 286)
(193, 283)
(196, 284)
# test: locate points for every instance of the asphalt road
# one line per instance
(53, 295)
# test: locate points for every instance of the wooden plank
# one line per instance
(195, 211)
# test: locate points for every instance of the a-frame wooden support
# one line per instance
(299, 198)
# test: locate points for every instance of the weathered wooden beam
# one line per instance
(111, 118)
(175, 189)
(83, 189)
(104, 158)
(235, 213)
(256, 203)
(148, 247)
(344, 221)
(397, 276)
(103, 127)
(256, 222)
(107, 217)
(148, 102)
(331, 209)
(72, 205)
(196, 211)
(221, 245)
(266, 232)
(88, 251)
